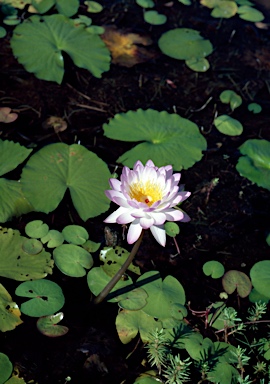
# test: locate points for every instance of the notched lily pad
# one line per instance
(48, 325)
(75, 234)
(229, 126)
(213, 268)
(72, 260)
(236, 280)
(250, 14)
(36, 229)
(154, 18)
(260, 277)
(166, 138)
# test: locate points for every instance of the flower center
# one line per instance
(147, 193)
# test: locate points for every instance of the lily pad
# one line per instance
(72, 260)
(255, 162)
(236, 280)
(154, 18)
(167, 138)
(229, 126)
(255, 108)
(47, 36)
(6, 368)
(172, 229)
(255, 296)
(93, 6)
(184, 44)
(58, 167)
(11, 155)
(230, 97)
(198, 64)
(113, 259)
(10, 315)
(214, 269)
(16, 264)
(46, 297)
(67, 8)
(75, 234)
(32, 246)
(48, 325)
(260, 277)
(53, 239)
(250, 14)
(3, 32)
(130, 323)
(36, 229)
(133, 300)
(145, 3)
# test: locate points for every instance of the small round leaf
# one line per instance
(214, 269)
(236, 280)
(32, 246)
(47, 325)
(53, 239)
(72, 260)
(154, 18)
(75, 234)
(255, 108)
(172, 229)
(36, 229)
(227, 125)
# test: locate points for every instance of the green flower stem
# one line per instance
(104, 293)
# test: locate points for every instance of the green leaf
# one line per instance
(3, 32)
(95, 30)
(97, 279)
(91, 246)
(39, 41)
(255, 162)
(53, 239)
(12, 202)
(42, 6)
(184, 44)
(32, 246)
(213, 268)
(185, 2)
(255, 108)
(9, 312)
(72, 260)
(47, 325)
(113, 259)
(224, 372)
(230, 97)
(67, 8)
(172, 229)
(16, 264)
(260, 277)
(129, 323)
(161, 294)
(148, 377)
(6, 368)
(133, 300)
(58, 167)
(154, 18)
(236, 280)
(167, 138)
(93, 6)
(36, 229)
(46, 297)
(224, 9)
(196, 344)
(11, 155)
(227, 125)
(255, 296)
(250, 14)
(145, 3)
(198, 64)
(75, 234)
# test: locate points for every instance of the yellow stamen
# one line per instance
(147, 193)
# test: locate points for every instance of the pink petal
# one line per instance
(134, 232)
(113, 217)
(115, 184)
(125, 218)
(159, 217)
(146, 222)
(159, 234)
(174, 215)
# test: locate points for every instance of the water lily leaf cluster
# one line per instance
(46, 37)
(67, 8)
(254, 164)
(187, 44)
(166, 138)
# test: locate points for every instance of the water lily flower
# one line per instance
(147, 196)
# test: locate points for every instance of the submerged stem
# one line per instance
(102, 295)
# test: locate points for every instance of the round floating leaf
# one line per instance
(260, 277)
(214, 269)
(133, 300)
(46, 297)
(224, 9)
(42, 6)
(58, 167)
(72, 260)
(6, 368)
(114, 258)
(17, 264)
(255, 296)
(12, 202)
(255, 108)
(145, 3)
(47, 325)
(250, 14)
(32, 246)
(75, 234)
(255, 162)
(230, 97)
(167, 138)
(97, 279)
(129, 323)
(229, 126)
(95, 29)
(168, 292)
(154, 18)
(53, 239)
(236, 280)
(11, 155)
(93, 6)
(172, 229)
(36, 229)
(3, 32)
(185, 2)
(184, 44)
(199, 64)
(91, 246)
(46, 37)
